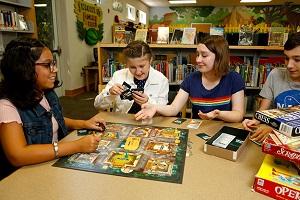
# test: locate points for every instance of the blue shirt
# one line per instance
(288, 98)
(217, 98)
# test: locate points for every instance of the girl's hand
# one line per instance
(210, 115)
(147, 112)
(88, 144)
(139, 97)
(116, 89)
(95, 123)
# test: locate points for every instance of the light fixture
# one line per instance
(40, 5)
(182, 1)
(254, 1)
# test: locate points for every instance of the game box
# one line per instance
(227, 143)
(278, 179)
(273, 146)
(285, 120)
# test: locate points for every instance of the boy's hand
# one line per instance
(250, 124)
(261, 133)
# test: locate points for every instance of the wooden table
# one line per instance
(205, 176)
(86, 70)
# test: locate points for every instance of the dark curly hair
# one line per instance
(18, 70)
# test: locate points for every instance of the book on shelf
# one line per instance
(163, 35)
(141, 34)
(216, 31)
(119, 36)
(22, 23)
(276, 36)
(177, 36)
(201, 27)
(153, 35)
(278, 179)
(188, 36)
(227, 143)
(285, 120)
(273, 146)
(129, 36)
(245, 35)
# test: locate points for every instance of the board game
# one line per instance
(147, 152)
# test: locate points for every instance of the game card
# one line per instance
(82, 132)
(223, 140)
(204, 136)
(194, 123)
(179, 121)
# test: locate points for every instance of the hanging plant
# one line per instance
(88, 24)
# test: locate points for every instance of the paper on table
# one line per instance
(223, 140)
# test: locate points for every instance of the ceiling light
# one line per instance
(254, 1)
(40, 5)
(182, 1)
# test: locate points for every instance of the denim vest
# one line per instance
(37, 124)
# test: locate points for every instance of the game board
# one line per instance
(147, 152)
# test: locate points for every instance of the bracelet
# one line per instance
(55, 148)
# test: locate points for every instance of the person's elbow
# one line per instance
(239, 116)
(16, 161)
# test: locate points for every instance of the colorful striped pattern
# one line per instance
(207, 102)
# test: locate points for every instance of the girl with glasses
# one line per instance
(31, 120)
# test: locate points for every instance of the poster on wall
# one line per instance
(89, 21)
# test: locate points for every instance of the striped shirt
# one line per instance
(218, 97)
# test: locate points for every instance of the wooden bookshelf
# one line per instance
(25, 8)
(105, 49)
(193, 46)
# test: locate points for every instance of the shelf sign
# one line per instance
(89, 17)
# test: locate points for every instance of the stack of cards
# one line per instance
(127, 94)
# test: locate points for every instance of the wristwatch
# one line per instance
(55, 148)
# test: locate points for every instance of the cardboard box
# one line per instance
(277, 179)
(285, 120)
(227, 143)
(273, 146)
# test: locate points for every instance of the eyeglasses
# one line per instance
(51, 65)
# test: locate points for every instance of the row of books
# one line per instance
(255, 76)
(192, 35)
(174, 73)
(278, 176)
(10, 20)
(109, 69)
(159, 36)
